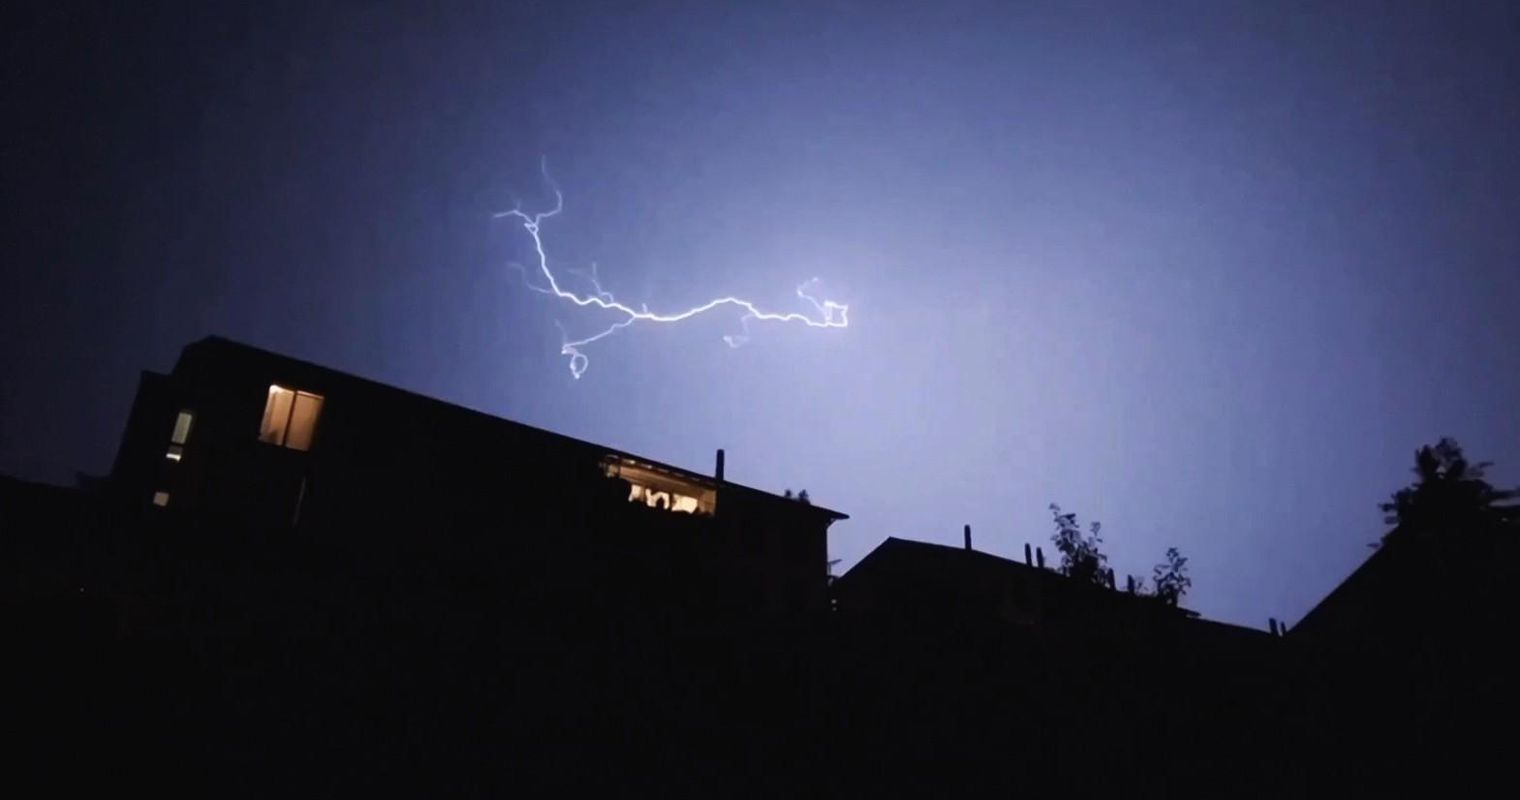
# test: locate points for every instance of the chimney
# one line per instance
(1039, 557)
(1272, 623)
(968, 537)
(718, 470)
(1028, 556)
(1130, 579)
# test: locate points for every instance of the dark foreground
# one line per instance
(241, 671)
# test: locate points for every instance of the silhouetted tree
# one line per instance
(1081, 557)
(1449, 493)
(1170, 578)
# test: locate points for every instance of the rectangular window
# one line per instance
(303, 420)
(160, 499)
(179, 436)
(662, 488)
(276, 415)
(182, 428)
(290, 418)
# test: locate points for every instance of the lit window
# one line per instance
(182, 428)
(290, 418)
(160, 499)
(179, 436)
(661, 488)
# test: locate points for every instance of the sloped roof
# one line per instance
(960, 563)
(215, 348)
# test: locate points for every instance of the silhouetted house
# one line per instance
(1407, 659)
(1418, 591)
(242, 444)
(910, 583)
(910, 580)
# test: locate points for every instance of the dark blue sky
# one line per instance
(1208, 272)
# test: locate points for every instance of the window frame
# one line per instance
(284, 428)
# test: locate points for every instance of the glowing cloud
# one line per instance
(829, 313)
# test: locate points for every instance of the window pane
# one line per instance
(160, 499)
(303, 421)
(662, 488)
(181, 427)
(276, 415)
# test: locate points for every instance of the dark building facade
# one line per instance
(242, 444)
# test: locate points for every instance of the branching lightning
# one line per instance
(829, 313)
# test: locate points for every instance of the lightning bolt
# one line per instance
(829, 313)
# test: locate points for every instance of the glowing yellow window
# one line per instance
(661, 488)
(290, 418)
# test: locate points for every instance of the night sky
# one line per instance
(1206, 272)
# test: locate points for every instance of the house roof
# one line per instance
(933, 554)
(212, 347)
(1409, 565)
(947, 560)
